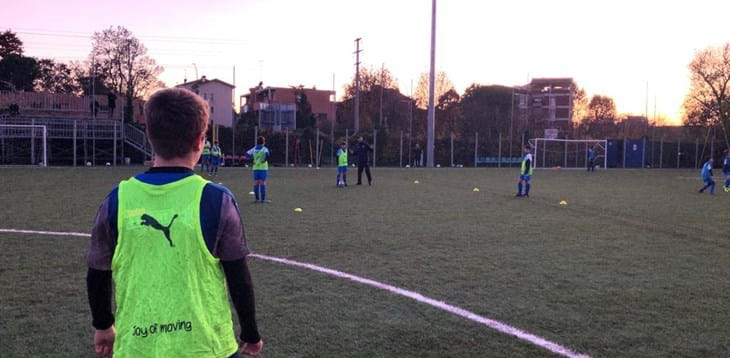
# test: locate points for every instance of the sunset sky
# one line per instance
(611, 48)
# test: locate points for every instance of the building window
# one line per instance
(212, 110)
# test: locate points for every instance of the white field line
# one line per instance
(457, 311)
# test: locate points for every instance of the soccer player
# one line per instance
(215, 158)
(205, 158)
(707, 177)
(171, 243)
(260, 155)
(525, 173)
(726, 170)
(362, 151)
(592, 159)
(342, 165)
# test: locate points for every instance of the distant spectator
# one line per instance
(111, 99)
(418, 152)
(94, 107)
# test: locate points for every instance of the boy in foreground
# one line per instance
(342, 166)
(707, 177)
(171, 242)
(260, 156)
(525, 173)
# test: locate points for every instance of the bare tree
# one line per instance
(124, 65)
(370, 78)
(442, 85)
(708, 101)
(56, 77)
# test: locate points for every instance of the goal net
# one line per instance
(568, 153)
(23, 145)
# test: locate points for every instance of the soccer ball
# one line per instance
(108, 164)
(408, 166)
(309, 165)
(438, 165)
(88, 164)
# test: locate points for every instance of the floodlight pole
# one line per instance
(431, 124)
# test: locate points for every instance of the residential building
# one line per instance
(546, 104)
(218, 94)
(276, 106)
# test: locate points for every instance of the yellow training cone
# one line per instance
(251, 193)
(298, 210)
(563, 202)
(476, 190)
(416, 182)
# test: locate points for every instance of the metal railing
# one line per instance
(137, 138)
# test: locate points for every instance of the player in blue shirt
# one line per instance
(525, 173)
(707, 177)
(260, 155)
(726, 170)
(592, 159)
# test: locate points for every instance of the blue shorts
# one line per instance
(342, 169)
(526, 177)
(260, 174)
(215, 161)
(205, 158)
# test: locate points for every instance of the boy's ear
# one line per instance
(200, 143)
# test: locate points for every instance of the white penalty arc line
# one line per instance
(457, 311)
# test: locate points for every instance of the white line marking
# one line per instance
(52, 233)
(493, 324)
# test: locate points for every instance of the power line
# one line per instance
(86, 35)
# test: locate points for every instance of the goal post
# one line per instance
(568, 153)
(22, 144)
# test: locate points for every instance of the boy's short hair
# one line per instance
(176, 118)
(260, 140)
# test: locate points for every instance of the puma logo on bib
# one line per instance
(153, 223)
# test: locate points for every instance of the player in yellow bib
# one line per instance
(342, 161)
(260, 156)
(526, 169)
(172, 245)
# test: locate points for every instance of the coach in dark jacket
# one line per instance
(362, 155)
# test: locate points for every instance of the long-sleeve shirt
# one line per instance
(707, 170)
(362, 151)
(223, 235)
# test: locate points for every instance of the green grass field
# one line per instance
(637, 265)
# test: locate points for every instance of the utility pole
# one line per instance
(334, 120)
(93, 108)
(511, 120)
(382, 84)
(410, 126)
(431, 129)
(410, 130)
(233, 123)
(357, 84)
